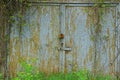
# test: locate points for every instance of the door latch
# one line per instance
(65, 49)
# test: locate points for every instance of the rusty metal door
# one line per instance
(90, 36)
(89, 40)
(37, 40)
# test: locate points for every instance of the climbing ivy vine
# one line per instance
(8, 9)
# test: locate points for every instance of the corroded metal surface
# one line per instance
(85, 42)
(38, 40)
(93, 39)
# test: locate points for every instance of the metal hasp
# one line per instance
(65, 49)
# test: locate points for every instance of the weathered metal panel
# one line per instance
(85, 42)
(38, 40)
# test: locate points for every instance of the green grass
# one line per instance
(80, 75)
(1, 76)
(28, 73)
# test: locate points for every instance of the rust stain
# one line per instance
(90, 53)
(113, 44)
(10, 47)
(75, 64)
(13, 66)
(108, 31)
(35, 39)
